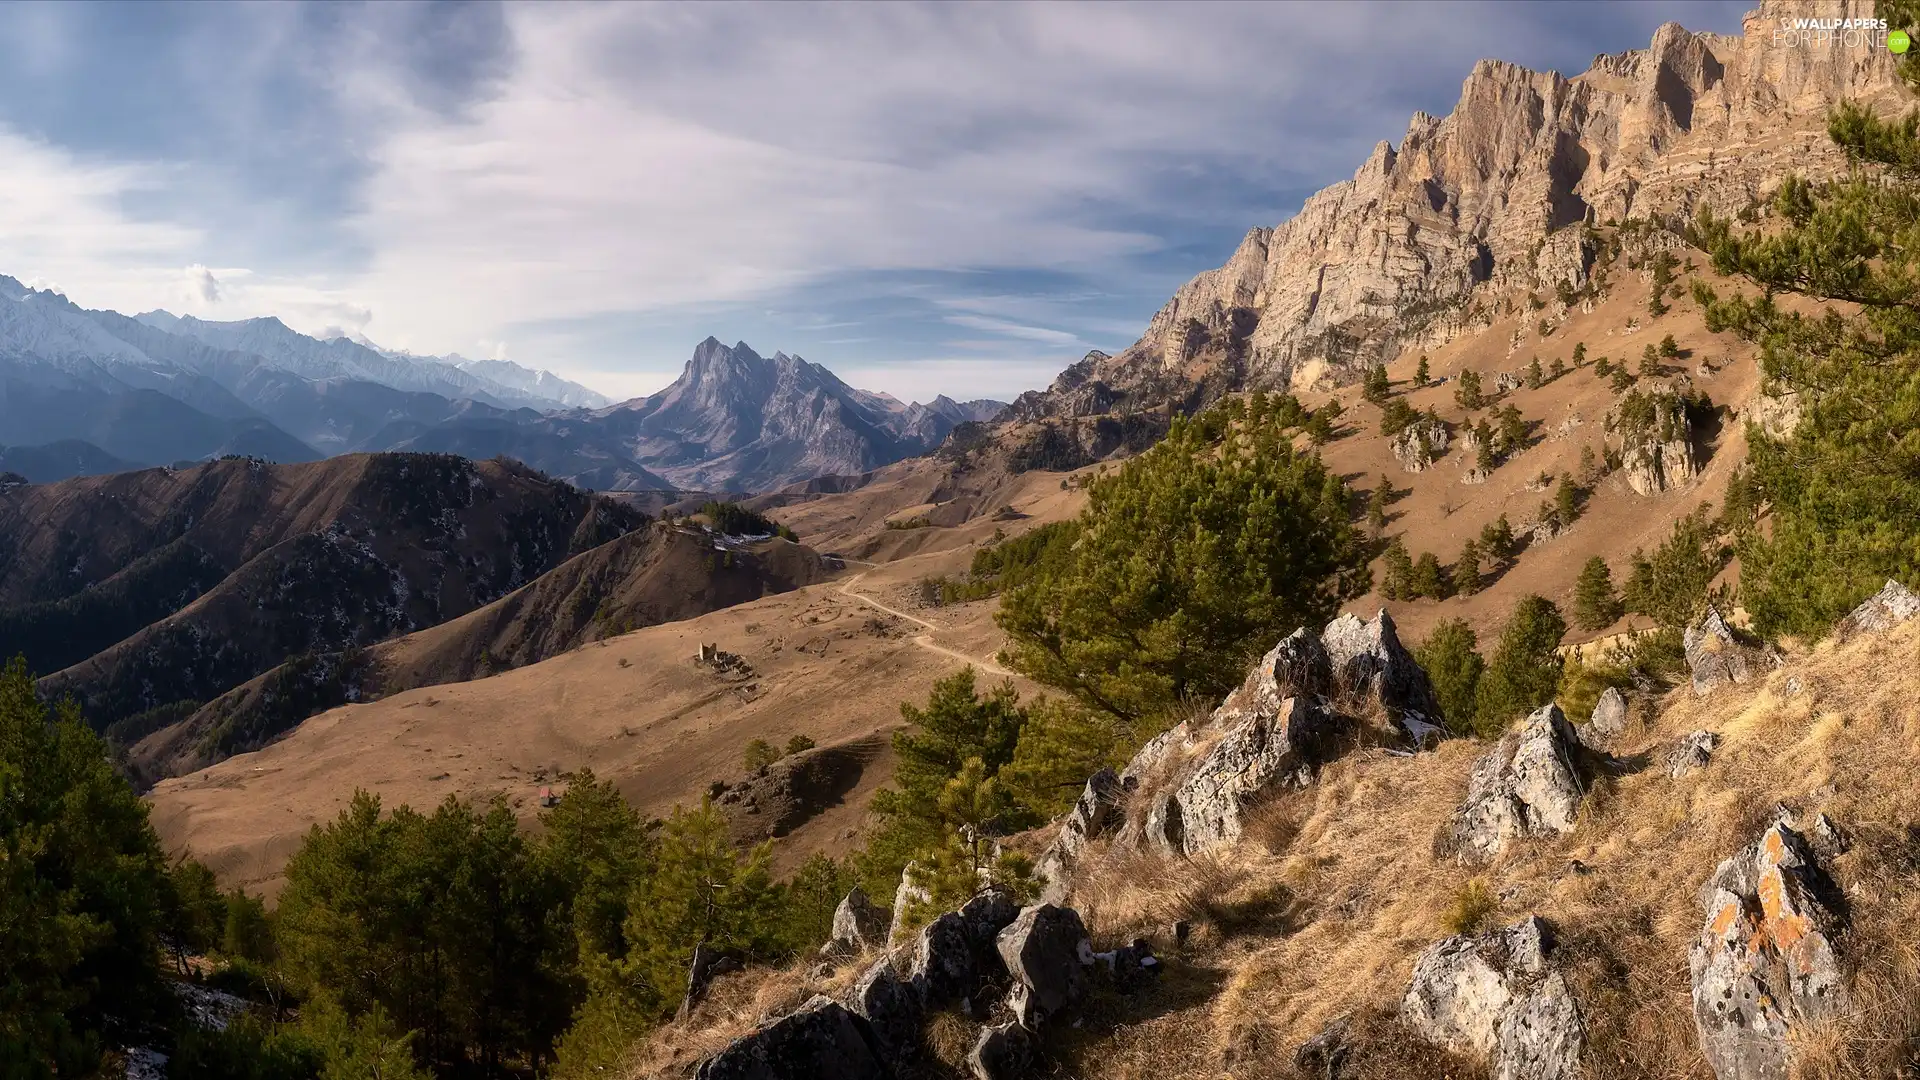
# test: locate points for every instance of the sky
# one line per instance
(927, 198)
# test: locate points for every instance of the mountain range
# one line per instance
(85, 392)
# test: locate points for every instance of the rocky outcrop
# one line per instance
(707, 965)
(1372, 669)
(1716, 656)
(904, 897)
(1608, 722)
(1268, 750)
(1884, 610)
(1777, 415)
(1764, 965)
(823, 1038)
(1003, 1052)
(1419, 443)
(1049, 955)
(956, 953)
(1528, 784)
(1095, 812)
(1497, 194)
(893, 1009)
(858, 923)
(1496, 996)
(1653, 435)
(1693, 752)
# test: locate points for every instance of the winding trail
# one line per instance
(925, 640)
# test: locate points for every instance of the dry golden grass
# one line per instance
(735, 1005)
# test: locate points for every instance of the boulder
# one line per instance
(904, 897)
(1495, 995)
(1324, 1056)
(892, 1007)
(1715, 656)
(1884, 610)
(1654, 437)
(1369, 665)
(1506, 382)
(1694, 751)
(1003, 1052)
(1528, 784)
(1095, 812)
(1473, 475)
(1263, 752)
(822, 1038)
(956, 953)
(1419, 443)
(1047, 952)
(1764, 964)
(858, 923)
(1608, 722)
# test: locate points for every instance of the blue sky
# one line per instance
(956, 198)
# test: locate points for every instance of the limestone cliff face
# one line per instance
(1494, 194)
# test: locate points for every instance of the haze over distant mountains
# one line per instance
(84, 391)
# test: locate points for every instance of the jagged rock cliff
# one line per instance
(1492, 198)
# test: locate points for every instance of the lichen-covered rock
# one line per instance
(1096, 811)
(1884, 610)
(1715, 656)
(1369, 664)
(823, 1038)
(1047, 952)
(1495, 995)
(858, 923)
(1693, 751)
(1528, 784)
(956, 952)
(1764, 964)
(1608, 722)
(892, 1007)
(1003, 1052)
(1263, 752)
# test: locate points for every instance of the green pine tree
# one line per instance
(1595, 605)
(1376, 388)
(1535, 376)
(1566, 501)
(1426, 579)
(1396, 574)
(1422, 375)
(1466, 568)
(1524, 671)
(1450, 657)
(1468, 393)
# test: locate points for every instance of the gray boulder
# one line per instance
(1048, 953)
(858, 923)
(1528, 784)
(955, 953)
(1884, 610)
(1764, 963)
(707, 965)
(1694, 751)
(1003, 1052)
(892, 1007)
(823, 1038)
(1262, 752)
(1494, 995)
(1715, 656)
(1609, 721)
(1094, 813)
(1370, 665)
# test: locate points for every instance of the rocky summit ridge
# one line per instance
(1493, 200)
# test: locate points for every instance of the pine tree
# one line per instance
(1602, 368)
(1671, 585)
(1650, 366)
(1587, 463)
(1396, 577)
(1376, 387)
(1426, 580)
(1468, 392)
(1453, 665)
(1535, 377)
(1496, 539)
(1566, 501)
(1320, 427)
(1377, 505)
(1841, 491)
(1483, 454)
(1513, 430)
(1579, 353)
(1669, 348)
(1466, 568)
(1622, 379)
(1559, 367)
(1595, 606)
(1524, 671)
(1422, 375)
(1663, 264)
(1188, 557)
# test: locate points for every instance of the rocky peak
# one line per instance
(1490, 197)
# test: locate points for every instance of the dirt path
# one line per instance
(925, 640)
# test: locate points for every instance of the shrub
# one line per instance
(736, 520)
(759, 754)
(800, 744)
(1472, 909)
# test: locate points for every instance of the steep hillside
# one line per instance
(653, 575)
(147, 593)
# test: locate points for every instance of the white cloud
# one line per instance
(1015, 330)
(202, 288)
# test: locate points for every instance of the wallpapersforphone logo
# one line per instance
(1846, 33)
